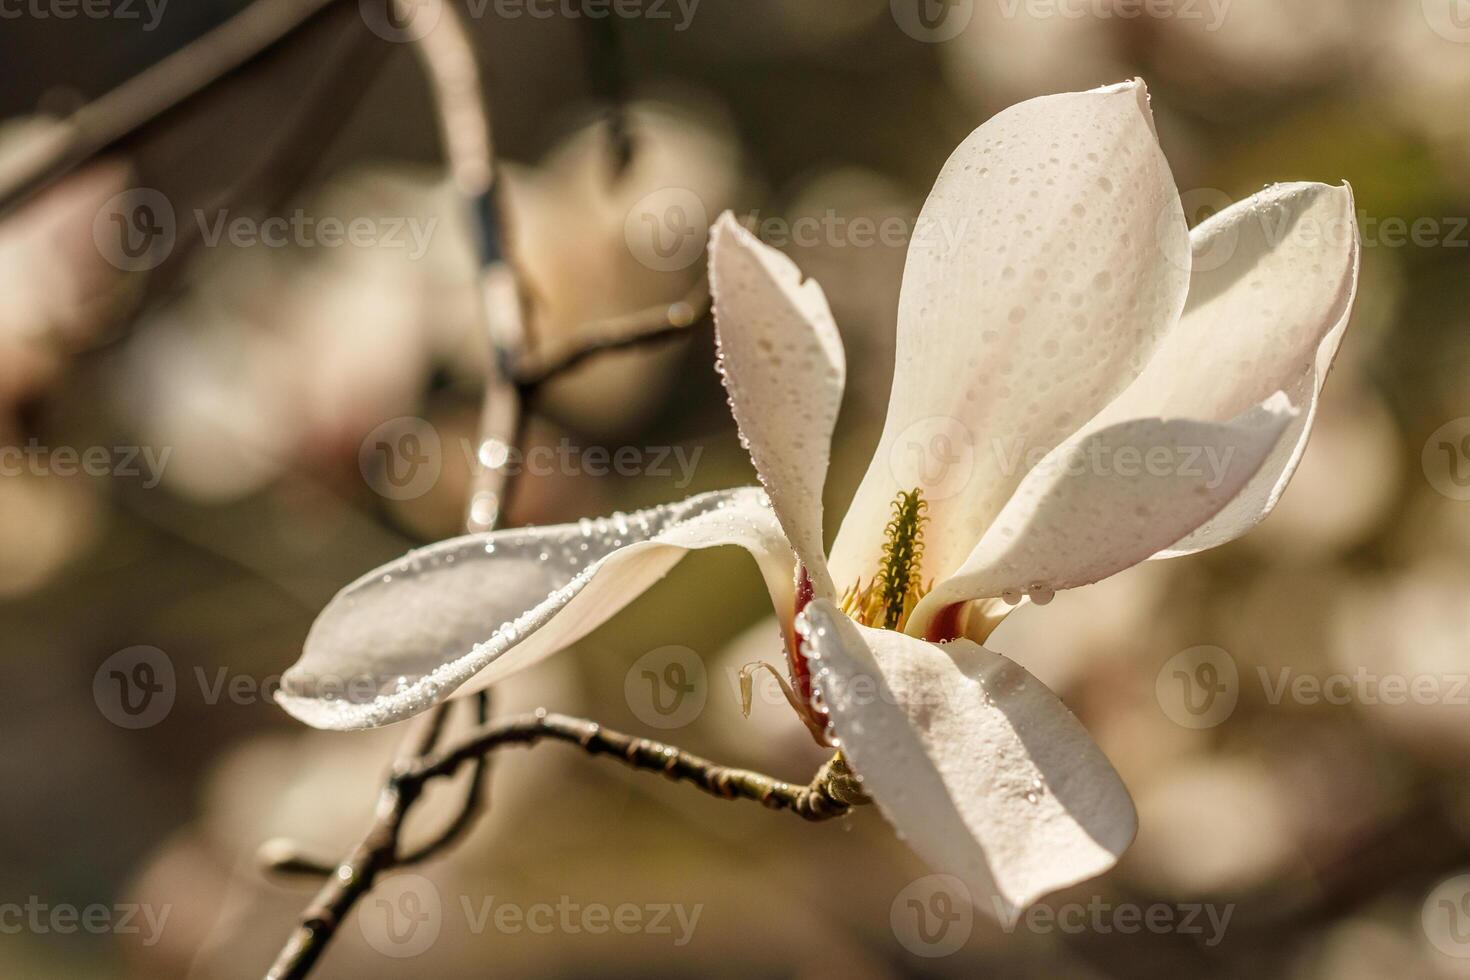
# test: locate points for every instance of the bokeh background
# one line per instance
(253, 382)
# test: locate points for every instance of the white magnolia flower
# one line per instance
(1070, 398)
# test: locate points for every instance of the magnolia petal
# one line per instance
(978, 766)
(461, 614)
(782, 363)
(1036, 286)
(1274, 281)
(1109, 500)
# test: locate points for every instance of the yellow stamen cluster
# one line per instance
(890, 597)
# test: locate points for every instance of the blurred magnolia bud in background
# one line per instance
(295, 351)
(1191, 840)
(45, 521)
(1403, 640)
(57, 286)
(594, 248)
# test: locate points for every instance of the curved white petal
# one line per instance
(1037, 284)
(1109, 500)
(782, 363)
(978, 766)
(1274, 281)
(409, 634)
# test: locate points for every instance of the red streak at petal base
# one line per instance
(813, 717)
(946, 625)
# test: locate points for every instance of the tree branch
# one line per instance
(101, 123)
(833, 792)
(465, 127)
(643, 328)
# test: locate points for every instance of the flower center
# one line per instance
(891, 595)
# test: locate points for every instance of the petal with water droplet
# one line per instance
(1031, 297)
(977, 765)
(1108, 500)
(782, 363)
(463, 613)
(1272, 291)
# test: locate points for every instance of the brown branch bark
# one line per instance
(833, 792)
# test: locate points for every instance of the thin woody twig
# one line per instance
(464, 123)
(833, 792)
(288, 858)
(608, 82)
(644, 328)
(469, 810)
(449, 63)
(217, 54)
